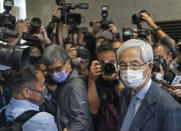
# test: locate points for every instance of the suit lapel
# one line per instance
(146, 109)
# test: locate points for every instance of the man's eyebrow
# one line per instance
(131, 61)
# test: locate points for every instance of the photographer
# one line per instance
(112, 29)
(160, 33)
(163, 50)
(103, 89)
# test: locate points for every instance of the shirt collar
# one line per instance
(24, 103)
(141, 94)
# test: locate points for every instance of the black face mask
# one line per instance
(35, 59)
(43, 96)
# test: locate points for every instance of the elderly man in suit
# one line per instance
(143, 105)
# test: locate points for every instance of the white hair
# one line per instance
(145, 48)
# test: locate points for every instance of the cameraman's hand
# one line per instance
(72, 52)
(177, 92)
(113, 29)
(43, 36)
(95, 70)
(161, 73)
(22, 26)
(149, 20)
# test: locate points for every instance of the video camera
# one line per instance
(104, 23)
(5, 33)
(68, 18)
(6, 19)
(13, 56)
(127, 33)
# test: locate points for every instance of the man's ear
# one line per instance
(26, 92)
(170, 56)
(151, 64)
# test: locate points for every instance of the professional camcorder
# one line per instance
(66, 16)
(6, 19)
(14, 56)
(5, 33)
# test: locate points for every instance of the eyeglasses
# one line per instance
(131, 66)
(56, 69)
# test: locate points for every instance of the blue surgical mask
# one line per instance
(60, 77)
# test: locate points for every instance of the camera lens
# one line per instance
(14, 56)
(35, 25)
(108, 68)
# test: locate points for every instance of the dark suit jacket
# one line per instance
(158, 111)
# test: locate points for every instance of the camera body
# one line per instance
(35, 25)
(142, 33)
(137, 18)
(104, 22)
(108, 68)
(6, 19)
(158, 60)
(67, 17)
(83, 53)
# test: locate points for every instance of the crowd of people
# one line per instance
(86, 82)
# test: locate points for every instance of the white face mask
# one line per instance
(133, 78)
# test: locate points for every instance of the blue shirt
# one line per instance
(42, 121)
(141, 94)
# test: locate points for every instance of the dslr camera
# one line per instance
(35, 24)
(104, 23)
(142, 33)
(137, 18)
(6, 19)
(158, 60)
(67, 17)
(108, 68)
(83, 53)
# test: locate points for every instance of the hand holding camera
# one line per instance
(22, 26)
(149, 20)
(42, 35)
(72, 52)
(113, 29)
(95, 70)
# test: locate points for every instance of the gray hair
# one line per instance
(145, 47)
(54, 53)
